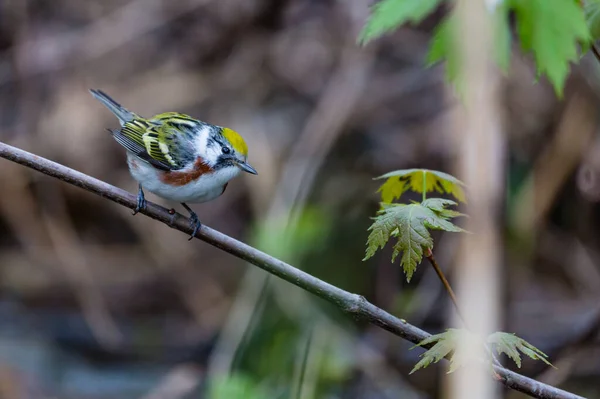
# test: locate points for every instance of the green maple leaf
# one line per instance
(410, 224)
(591, 9)
(443, 46)
(510, 344)
(438, 205)
(420, 181)
(592, 17)
(551, 30)
(446, 344)
(387, 15)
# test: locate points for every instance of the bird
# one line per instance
(177, 157)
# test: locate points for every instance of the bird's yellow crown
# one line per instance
(236, 141)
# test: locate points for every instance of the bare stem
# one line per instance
(352, 304)
(596, 52)
(448, 287)
(446, 284)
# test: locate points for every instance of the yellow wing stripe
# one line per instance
(165, 150)
(177, 118)
(156, 149)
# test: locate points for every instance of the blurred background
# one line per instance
(96, 303)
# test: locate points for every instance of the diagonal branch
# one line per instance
(352, 304)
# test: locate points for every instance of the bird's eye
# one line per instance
(226, 150)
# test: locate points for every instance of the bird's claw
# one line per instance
(141, 201)
(195, 224)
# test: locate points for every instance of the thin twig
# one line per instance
(596, 52)
(352, 304)
(446, 284)
(448, 287)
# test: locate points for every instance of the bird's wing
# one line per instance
(166, 141)
(136, 136)
(172, 139)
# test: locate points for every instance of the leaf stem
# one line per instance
(424, 184)
(596, 52)
(446, 284)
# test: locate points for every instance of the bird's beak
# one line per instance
(247, 168)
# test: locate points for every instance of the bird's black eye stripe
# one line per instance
(225, 150)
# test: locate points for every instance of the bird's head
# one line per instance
(229, 149)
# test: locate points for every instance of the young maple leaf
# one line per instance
(591, 8)
(388, 15)
(444, 45)
(551, 30)
(510, 344)
(410, 224)
(592, 17)
(438, 205)
(420, 181)
(447, 343)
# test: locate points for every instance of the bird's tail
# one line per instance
(123, 114)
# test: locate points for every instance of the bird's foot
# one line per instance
(195, 224)
(194, 221)
(141, 201)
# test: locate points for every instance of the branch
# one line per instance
(351, 304)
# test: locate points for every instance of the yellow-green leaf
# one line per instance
(446, 344)
(511, 345)
(393, 188)
(420, 180)
(410, 223)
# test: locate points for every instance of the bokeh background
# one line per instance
(96, 303)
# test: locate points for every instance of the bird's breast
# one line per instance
(183, 177)
(197, 184)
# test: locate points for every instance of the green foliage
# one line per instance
(591, 10)
(443, 45)
(387, 15)
(410, 223)
(446, 344)
(236, 386)
(592, 17)
(510, 344)
(551, 30)
(289, 242)
(421, 181)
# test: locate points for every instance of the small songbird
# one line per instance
(178, 157)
